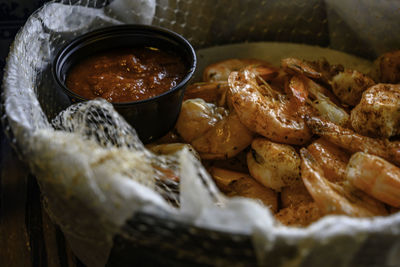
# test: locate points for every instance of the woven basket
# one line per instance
(164, 240)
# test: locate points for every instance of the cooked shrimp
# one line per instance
(387, 67)
(273, 165)
(169, 149)
(332, 159)
(298, 208)
(295, 195)
(240, 184)
(269, 116)
(378, 113)
(320, 102)
(220, 71)
(225, 140)
(347, 85)
(353, 142)
(297, 88)
(215, 86)
(214, 132)
(300, 215)
(320, 70)
(237, 163)
(295, 66)
(211, 92)
(376, 177)
(280, 83)
(334, 198)
(197, 117)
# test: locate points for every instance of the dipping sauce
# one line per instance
(126, 75)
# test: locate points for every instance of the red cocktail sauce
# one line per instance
(126, 75)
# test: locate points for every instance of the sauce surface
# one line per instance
(126, 75)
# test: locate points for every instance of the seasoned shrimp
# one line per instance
(225, 140)
(197, 117)
(319, 101)
(376, 177)
(172, 148)
(387, 67)
(347, 85)
(214, 88)
(320, 70)
(297, 206)
(240, 184)
(295, 195)
(211, 92)
(353, 142)
(378, 114)
(300, 215)
(214, 132)
(332, 159)
(220, 71)
(273, 165)
(334, 198)
(271, 115)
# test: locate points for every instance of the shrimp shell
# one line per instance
(353, 142)
(265, 115)
(378, 113)
(272, 164)
(220, 71)
(334, 198)
(300, 215)
(295, 195)
(349, 85)
(241, 184)
(376, 177)
(332, 159)
(210, 92)
(225, 140)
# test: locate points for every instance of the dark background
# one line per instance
(25, 231)
(13, 14)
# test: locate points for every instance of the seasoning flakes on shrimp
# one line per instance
(311, 138)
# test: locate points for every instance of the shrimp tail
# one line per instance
(298, 91)
(376, 177)
(353, 142)
(333, 198)
(327, 199)
(294, 66)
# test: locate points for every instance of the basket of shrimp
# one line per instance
(286, 149)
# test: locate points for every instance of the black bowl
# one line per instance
(153, 117)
